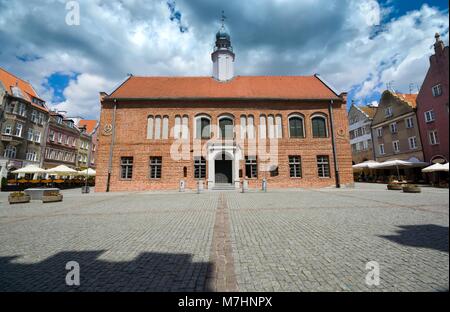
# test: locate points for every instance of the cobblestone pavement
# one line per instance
(282, 240)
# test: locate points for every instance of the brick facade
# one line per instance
(131, 141)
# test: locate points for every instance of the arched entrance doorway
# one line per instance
(223, 169)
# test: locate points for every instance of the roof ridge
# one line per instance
(9, 73)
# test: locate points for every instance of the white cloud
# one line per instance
(339, 40)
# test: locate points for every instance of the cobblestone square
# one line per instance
(282, 240)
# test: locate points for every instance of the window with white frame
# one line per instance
(22, 110)
(60, 137)
(203, 127)
(429, 116)
(18, 131)
(199, 168)
(409, 122)
(51, 135)
(436, 90)
(381, 149)
(433, 135)
(380, 132)
(319, 127)
(323, 166)
(30, 135)
(365, 145)
(41, 118)
(393, 127)
(7, 130)
(31, 155)
(10, 152)
(412, 142)
(388, 112)
(396, 146)
(34, 116)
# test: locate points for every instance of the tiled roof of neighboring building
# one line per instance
(241, 87)
(11, 82)
(368, 110)
(410, 99)
(89, 124)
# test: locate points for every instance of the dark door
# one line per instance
(223, 172)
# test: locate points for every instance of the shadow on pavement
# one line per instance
(152, 272)
(425, 236)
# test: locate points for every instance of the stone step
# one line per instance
(223, 187)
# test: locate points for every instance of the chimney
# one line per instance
(438, 45)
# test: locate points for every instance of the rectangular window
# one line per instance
(412, 142)
(295, 167)
(429, 116)
(155, 167)
(396, 146)
(41, 118)
(434, 140)
(22, 111)
(251, 167)
(323, 166)
(199, 168)
(436, 90)
(18, 131)
(126, 168)
(381, 149)
(393, 127)
(34, 116)
(409, 122)
(60, 137)
(37, 137)
(51, 135)
(365, 145)
(30, 135)
(388, 112)
(380, 132)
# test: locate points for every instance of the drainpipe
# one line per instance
(111, 147)
(333, 142)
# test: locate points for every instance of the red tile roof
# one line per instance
(368, 110)
(90, 125)
(411, 99)
(9, 81)
(241, 87)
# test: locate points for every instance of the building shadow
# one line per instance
(149, 272)
(424, 236)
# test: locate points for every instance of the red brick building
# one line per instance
(432, 106)
(156, 131)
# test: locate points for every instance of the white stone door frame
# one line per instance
(233, 152)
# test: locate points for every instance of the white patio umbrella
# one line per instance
(61, 170)
(434, 168)
(369, 164)
(397, 163)
(29, 169)
(445, 167)
(87, 172)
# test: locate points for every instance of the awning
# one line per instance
(29, 169)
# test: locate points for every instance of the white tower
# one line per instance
(223, 56)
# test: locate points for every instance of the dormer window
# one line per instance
(59, 119)
(388, 112)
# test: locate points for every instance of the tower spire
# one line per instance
(223, 55)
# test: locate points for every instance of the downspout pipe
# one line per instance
(333, 142)
(111, 147)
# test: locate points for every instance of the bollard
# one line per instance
(264, 185)
(199, 186)
(244, 185)
(182, 185)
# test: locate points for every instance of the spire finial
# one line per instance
(437, 36)
(223, 18)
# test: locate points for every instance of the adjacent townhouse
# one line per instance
(62, 142)
(360, 121)
(432, 106)
(23, 119)
(91, 128)
(395, 129)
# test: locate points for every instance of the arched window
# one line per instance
(226, 126)
(165, 128)
(271, 126)
(10, 152)
(177, 127)
(203, 127)
(319, 127)
(296, 126)
(185, 127)
(278, 127)
(251, 127)
(262, 127)
(243, 128)
(157, 127)
(150, 125)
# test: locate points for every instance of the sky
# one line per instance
(358, 46)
